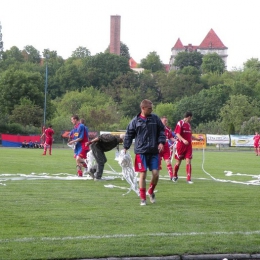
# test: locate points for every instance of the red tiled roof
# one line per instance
(178, 45)
(190, 47)
(132, 63)
(212, 41)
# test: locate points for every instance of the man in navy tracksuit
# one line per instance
(148, 131)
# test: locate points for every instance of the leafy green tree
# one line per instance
(251, 126)
(18, 84)
(212, 79)
(102, 68)
(31, 54)
(13, 55)
(27, 113)
(124, 50)
(133, 92)
(103, 117)
(68, 78)
(124, 122)
(205, 105)
(212, 127)
(52, 62)
(73, 101)
(81, 53)
(152, 62)
(247, 83)
(166, 85)
(129, 80)
(148, 88)
(186, 85)
(98, 109)
(130, 105)
(242, 88)
(166, 109)
(231, 129)
(185, 59)
(213, 63)
(190, 71)
(239, 108)
(189, 80)
(252, 63)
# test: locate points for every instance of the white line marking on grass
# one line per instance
(229, 173)
(46, 176)
(35, 239)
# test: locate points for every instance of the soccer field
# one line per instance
(49, 213)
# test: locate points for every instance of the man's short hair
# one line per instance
(188, 114)
(145, 103)
(75, 117)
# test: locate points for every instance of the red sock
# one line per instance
(151, 188)
(80, 173)
(143, 193)
(176, 169)
(188, 172)
(170, 170)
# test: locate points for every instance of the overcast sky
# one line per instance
(146, 25)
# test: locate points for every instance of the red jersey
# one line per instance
(184, 129)
(49, 132)
(168, 132)
(256, 139)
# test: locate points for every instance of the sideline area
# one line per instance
(187, 257)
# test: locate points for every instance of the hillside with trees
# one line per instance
(103, 89)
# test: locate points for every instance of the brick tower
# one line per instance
(115, 34)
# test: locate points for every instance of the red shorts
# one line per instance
(48, 141)
(183, 151)
(165, 154)
(82, 154)
(146, 161)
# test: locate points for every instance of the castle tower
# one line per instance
(210, 44)
(115, 34)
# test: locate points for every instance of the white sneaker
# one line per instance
(143, 203)
(190, 182)
(152, 197)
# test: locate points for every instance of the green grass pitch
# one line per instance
(49, 213)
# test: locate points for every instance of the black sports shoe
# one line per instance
(174, 179)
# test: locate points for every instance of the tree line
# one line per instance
(104, 91)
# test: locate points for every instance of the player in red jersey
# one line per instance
(184, 146)
(256, 139)
(166, 153)
(48, 133)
